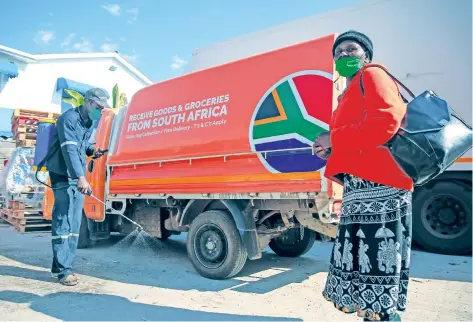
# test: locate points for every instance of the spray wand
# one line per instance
(90, 194)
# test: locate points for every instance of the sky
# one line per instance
(156, 36)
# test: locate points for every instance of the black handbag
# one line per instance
(431, 137)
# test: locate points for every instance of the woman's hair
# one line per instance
(358, 37)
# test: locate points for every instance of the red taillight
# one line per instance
(5, 163)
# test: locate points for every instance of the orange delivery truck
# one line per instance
(223, 154)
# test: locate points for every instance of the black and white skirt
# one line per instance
(369, 266)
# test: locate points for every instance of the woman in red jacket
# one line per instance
(369, 266)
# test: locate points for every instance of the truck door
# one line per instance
(96, 169)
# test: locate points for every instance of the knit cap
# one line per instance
(357, 36)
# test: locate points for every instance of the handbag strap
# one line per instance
(394, 78)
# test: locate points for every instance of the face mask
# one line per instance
(348, 66)
(94, 114)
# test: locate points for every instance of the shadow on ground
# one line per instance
(101, 307)
(166, 265)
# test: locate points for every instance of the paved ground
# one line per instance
(141, 283)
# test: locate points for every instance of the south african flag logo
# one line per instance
(289, 117)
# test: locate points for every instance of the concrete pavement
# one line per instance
(141, 283)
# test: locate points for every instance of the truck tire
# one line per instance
(290, 243)
(214, 245)
(84, 234)
(442, 221)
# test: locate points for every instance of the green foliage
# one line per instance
(118, 99)
(123, 100)
(115, 96)
(76, 98)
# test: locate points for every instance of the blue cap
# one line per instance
(98, 96)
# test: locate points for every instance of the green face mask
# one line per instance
(348, 66)
(94, 114)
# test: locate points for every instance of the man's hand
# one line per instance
(98, 153)
(322, 146)
(83, 185)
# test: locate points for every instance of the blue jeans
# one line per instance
(66, 221)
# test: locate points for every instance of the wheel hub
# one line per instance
(211, 246)
(445, 217)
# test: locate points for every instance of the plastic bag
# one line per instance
(17, 177)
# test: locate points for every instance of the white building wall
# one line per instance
(35, 87)
(427, 44)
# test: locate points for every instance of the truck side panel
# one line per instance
(247, 126)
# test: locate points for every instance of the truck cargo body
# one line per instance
(214, 125)
(225, 155)
(426, 44)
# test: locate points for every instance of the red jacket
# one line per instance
(361, 125)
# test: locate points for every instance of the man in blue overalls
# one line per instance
(66, 165)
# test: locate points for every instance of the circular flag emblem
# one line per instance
(288, 118)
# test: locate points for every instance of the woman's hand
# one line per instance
(322, 146)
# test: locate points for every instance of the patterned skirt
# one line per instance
(369, 265)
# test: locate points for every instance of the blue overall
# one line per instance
(66, 163)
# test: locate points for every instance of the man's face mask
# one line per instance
(95, 113)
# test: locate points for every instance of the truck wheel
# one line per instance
(84, 234)
(214, 245)
(442, 221)
(290, 243)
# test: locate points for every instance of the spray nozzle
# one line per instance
(138, 226)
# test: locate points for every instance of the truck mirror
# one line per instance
(90, 166)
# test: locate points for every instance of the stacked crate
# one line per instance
(24, 210)
(25, 125)
(25, 216)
